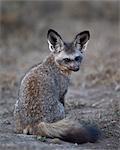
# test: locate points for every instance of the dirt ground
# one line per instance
(94, 93)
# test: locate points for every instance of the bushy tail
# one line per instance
(68, 130)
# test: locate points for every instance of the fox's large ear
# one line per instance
(55, 41)
(81, 40)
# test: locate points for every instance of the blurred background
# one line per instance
(24, 26)
(95, 89)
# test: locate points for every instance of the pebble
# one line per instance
(117, 88)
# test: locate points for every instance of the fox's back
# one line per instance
(40, 103)
(39, 94)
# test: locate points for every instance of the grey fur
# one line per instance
(41, 91)
(39, 108)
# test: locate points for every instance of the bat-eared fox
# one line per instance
(39, 109)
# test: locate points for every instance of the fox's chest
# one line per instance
(62, 83)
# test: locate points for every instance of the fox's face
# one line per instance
(68, 55)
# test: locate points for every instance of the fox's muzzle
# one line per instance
(74, 67)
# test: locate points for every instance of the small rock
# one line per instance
(117, 88)
(41, 138)
(51, 144)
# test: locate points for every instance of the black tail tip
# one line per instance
(82, 135)
(94, 133)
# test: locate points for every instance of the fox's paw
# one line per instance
(41, 129)
(28, 130)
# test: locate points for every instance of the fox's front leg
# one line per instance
(28, 130)
(62, 99)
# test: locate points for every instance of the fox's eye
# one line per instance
(51, 47)
(66, 60)
(78, 58)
